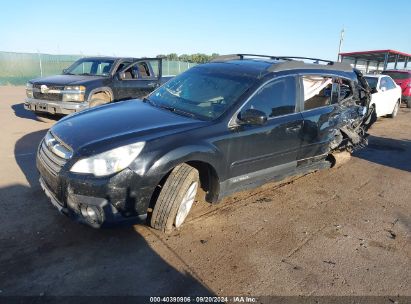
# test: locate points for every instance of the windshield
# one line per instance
(94, 67)
(372, 82)
(398, 75)
(201, 93)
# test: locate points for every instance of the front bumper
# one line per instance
(54, 107)
(108, 214)
(113, 199)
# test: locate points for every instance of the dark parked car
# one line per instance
(224, 126)
(89, 82)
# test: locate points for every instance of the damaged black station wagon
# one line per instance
(228, 125)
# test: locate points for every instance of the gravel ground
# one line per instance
(342, 231)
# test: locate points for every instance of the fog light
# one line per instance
(91, 214)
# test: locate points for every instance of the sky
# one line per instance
(148, 28)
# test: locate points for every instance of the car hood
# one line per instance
(61, 80)
(118, 124)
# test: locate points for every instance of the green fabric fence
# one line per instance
(18, 68)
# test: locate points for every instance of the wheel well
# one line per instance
(105, 95)
(209, 180)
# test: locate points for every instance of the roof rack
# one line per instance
(316, 60)
(291, 62)
(240, 57)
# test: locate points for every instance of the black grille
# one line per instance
(47, 96)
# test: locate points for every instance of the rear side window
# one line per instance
(318, 91)
(321, 91)
(275, 98)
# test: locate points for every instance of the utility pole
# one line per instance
(341, 43)
(41, 66)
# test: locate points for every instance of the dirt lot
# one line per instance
(344, 231)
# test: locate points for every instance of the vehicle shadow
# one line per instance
(21, 112)
(49, 254)
(25, 155)
(388, 152)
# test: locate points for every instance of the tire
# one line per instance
(395, 110)
(409, 103)
(175, 199)
(99, 99)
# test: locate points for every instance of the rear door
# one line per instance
(270, 149)
(321, 98)
(138, 79)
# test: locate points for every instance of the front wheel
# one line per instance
(395, 110)
(176, 198)
(99, 99)
(409, 103)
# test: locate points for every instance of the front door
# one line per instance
(258, 152)
(138, 79)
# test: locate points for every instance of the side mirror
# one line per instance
(252, 117)
(374, 90)
(383, 89)
(121, 76)
(64, 71)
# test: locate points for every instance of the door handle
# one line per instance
(152, 84)
(293, 129)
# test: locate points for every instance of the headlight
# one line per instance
(29, 90)
(74, 93)
(109, 162)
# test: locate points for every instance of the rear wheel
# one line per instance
(409, 103)
(176, 198)
(395, 110)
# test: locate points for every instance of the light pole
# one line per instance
(340, 46)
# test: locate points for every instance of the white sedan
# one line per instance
(386, 95)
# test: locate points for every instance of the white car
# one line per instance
(386, 95)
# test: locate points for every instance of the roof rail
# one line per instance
(290, 62)
(241, 57)
(316, 60)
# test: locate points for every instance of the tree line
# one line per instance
(196, 58)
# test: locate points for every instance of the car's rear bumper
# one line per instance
(53, 107)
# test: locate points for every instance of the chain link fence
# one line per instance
(18, 68)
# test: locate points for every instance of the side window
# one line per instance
(318, 91)
(122, 65)
(390, 83)
(384, 83)
(275, 98)
(136, 71)
(143, 70)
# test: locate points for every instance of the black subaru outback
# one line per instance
(228, 125)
